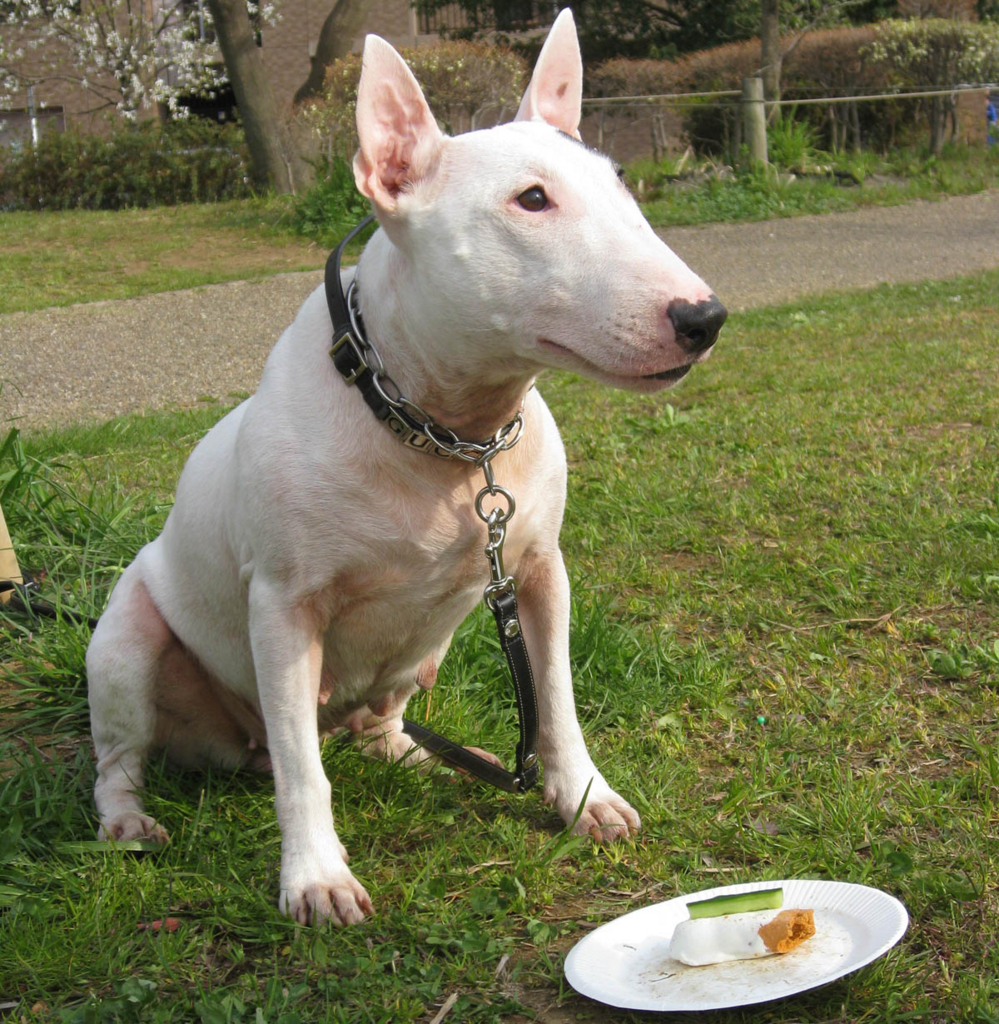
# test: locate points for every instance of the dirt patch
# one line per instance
(542, 998)
(231, 252)
(8, 688)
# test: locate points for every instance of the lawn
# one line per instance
(58, 258)
(786, 654)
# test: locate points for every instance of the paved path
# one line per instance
(93, 361)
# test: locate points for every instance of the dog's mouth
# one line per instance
(569, 359)
(670, 376)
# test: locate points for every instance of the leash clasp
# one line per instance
(500, 582)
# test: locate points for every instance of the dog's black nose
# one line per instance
(697, 323)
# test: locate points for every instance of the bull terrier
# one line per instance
(313, 569)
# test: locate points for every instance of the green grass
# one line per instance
(59, 258)
(786, 591)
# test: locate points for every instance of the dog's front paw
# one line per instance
(605, 815)
(334, 895)
(129, 825)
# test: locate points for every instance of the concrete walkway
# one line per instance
(94, 361)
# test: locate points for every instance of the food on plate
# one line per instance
(739, 926)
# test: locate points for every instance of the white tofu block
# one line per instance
(713, 940)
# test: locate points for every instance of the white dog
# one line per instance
(311, 560)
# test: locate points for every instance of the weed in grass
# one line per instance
(332, 206)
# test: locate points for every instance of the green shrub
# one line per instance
(136, 165)
(332, 204)
(467, 85)
(933, 53)
(791, 143)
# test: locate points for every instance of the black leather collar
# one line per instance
(360, 366)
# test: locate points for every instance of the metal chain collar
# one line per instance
(443, 437)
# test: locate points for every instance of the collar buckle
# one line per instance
(350, 363)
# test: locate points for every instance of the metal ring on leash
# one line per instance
(501, 516)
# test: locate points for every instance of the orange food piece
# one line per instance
(787, 930)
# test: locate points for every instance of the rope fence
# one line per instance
(694, 98)
(748, 108)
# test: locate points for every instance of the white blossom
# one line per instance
(129, 54)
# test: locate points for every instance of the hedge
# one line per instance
(184, 161)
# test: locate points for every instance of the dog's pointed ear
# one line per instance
(400, 140)
(556, 90)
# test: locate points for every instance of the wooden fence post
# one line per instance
(754, 118)
(9, 569)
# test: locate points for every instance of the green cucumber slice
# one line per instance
(736, 903)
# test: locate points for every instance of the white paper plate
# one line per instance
(626, 962)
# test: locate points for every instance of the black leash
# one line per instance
(20, 600)
(525, 774)
(360, 366)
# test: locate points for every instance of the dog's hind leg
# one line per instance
(122, 664)
(198, 723)
(385, 738)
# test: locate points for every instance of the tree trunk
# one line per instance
(335, 37)
(254, 98)
(770, 54)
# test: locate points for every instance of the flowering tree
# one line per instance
(128, 54)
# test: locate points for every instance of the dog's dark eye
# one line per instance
(534, 199)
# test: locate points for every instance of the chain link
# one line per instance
(480, 453)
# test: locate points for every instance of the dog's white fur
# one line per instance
(310, 559)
